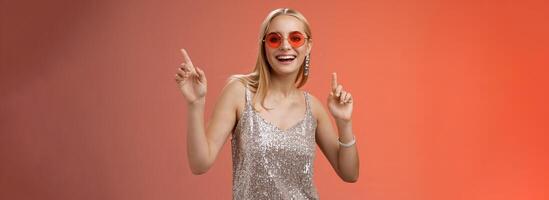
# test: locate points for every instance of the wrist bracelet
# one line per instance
(351, 143)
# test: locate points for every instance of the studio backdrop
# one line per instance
(450, 95)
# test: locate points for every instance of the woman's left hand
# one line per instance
(340, 102)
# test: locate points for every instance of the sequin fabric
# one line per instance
(271, 163)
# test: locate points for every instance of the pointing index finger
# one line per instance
(186, 56)
(188, 61)
(334, 81)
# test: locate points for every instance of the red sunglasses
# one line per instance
(274, 40)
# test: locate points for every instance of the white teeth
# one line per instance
(285, 57)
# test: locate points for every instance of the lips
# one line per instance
(285, 59)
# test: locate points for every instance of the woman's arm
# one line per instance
(347, 156)
(203, 146)
(344, 160)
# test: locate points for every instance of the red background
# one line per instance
(451, 96)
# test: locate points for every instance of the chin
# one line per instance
(285, 69)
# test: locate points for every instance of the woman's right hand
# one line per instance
(191, 80)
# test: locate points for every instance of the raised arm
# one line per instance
(343, 159)
(204, 144)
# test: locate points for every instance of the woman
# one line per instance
(273, 142)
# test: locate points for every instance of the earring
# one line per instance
(306, 69)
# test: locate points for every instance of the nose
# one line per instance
(285, 44)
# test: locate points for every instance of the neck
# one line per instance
(283, 85)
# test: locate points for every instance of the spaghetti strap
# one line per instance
(248, 98)
(307, 102)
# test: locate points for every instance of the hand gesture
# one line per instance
(191, 80)
(340, 102)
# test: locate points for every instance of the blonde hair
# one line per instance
(259, 80)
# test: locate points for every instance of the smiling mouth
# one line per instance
(286, 58)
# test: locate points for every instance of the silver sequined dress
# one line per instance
(271, 163)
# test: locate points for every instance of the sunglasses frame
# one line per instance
(305, 37)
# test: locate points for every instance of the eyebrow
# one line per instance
(289, 32)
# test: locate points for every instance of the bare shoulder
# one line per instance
(234, 85)
(234, 90)
(234, 93)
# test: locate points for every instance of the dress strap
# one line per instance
(248, 97)
(307, 101)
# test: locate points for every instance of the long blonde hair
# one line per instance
(259, 80)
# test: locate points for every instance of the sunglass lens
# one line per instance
(296, 39)
(273, 40)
